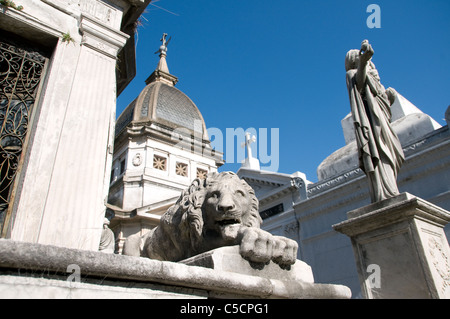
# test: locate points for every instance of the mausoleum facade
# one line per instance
(63, 64)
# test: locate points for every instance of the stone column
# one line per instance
(400, 248)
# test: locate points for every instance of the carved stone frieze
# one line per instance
(100, 10)
(137, 159)
(440, 262)
(291, 230)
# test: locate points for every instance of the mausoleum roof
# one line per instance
(162, 104)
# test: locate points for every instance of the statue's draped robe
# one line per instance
(379, 149)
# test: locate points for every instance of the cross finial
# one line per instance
(249, 139)
(162, 73)
(163, 48)
(250, 161)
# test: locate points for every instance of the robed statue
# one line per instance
(379, 149)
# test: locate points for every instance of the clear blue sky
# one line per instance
(280, 64)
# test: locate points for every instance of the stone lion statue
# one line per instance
(220, 210)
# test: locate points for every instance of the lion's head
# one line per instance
(209, 207)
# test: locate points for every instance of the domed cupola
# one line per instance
(162, 105)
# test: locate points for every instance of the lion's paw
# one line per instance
(259, 246)
(285, 251)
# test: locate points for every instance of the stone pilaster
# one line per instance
(83, 161)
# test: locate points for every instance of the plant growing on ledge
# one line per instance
(11, 4)
(66, 37)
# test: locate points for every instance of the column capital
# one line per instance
(101, 38)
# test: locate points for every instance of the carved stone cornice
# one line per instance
(120, 15)
(106, 13)
(320, 187)
(101, 38)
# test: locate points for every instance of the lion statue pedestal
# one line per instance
(229, 259)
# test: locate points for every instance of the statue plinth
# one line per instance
(228, 259)
(400, 248)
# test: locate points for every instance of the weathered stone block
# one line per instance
(400, 248)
